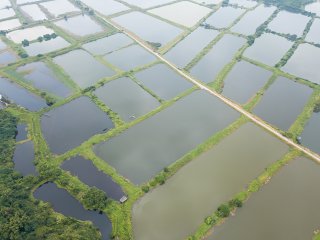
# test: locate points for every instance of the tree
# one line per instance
(25, 43)
(223, 211)
(95, 199)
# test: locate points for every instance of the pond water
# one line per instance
(163, 81)
(189, 13)
(87, 172)
(7, 57)
(34, 12)
(175, 210)
(86, 76)
(127, 98)
(23, 159)
(88, 26)
(46, 46)
(174, 132)
(224, 17)
(244, 81)
(29, 33)
(109, 44)
(21, 132)
(294, 23)
(59, 7)
(148, 28)
(313, 7)
(182, 53)
(21, 96)
(100, 6)
(314, 32)
(68, 126)
(10, 24)
(43, 78)
(62, 202)
(130, 57)
(221, 54)
(304, 63)
(252, 20)
(268, 49)
(286, 208)
(283, 102)
(311, 133)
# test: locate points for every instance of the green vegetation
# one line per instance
(21, 216)
(290, 5)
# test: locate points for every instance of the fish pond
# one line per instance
(283, 102)
(285, 208)
(23, 158)
(175, 210)
(311, 134)
(126, 98)
(87, 172)
(224, 17)
(174, 132)
(68, 126)
(62, 202)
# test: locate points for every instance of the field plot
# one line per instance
(59, 7)
(314, 32)
(43, 78)
(224, 17)
(287, 196)
(268, 49)
(314, 8)
(163, 81)
(23, 159)
(175, 210)
(289, 23)
(147, 3)
(107, 45)
(189, 13)
(10, 24)
(304, 63)
(175, 131)
(64, 203)
(100, 6)
(244, 81)
(243, 3)
(148, 28)
(311, 133)
(29, 34)
(7, 13)
(34, 12)
(283, 102)
(126, 98)
(88, 26)
(182, 53)
(249, 23)
(44, 47)
(213, 62)
(86, 76)
(130, 57)
(86, 171)
(68, 126)
(21, 96)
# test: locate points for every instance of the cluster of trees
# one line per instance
(45, 37)
(21, 217)
(289, 5)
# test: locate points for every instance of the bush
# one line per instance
(235, 203)
(223, 211)
(145, 188)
